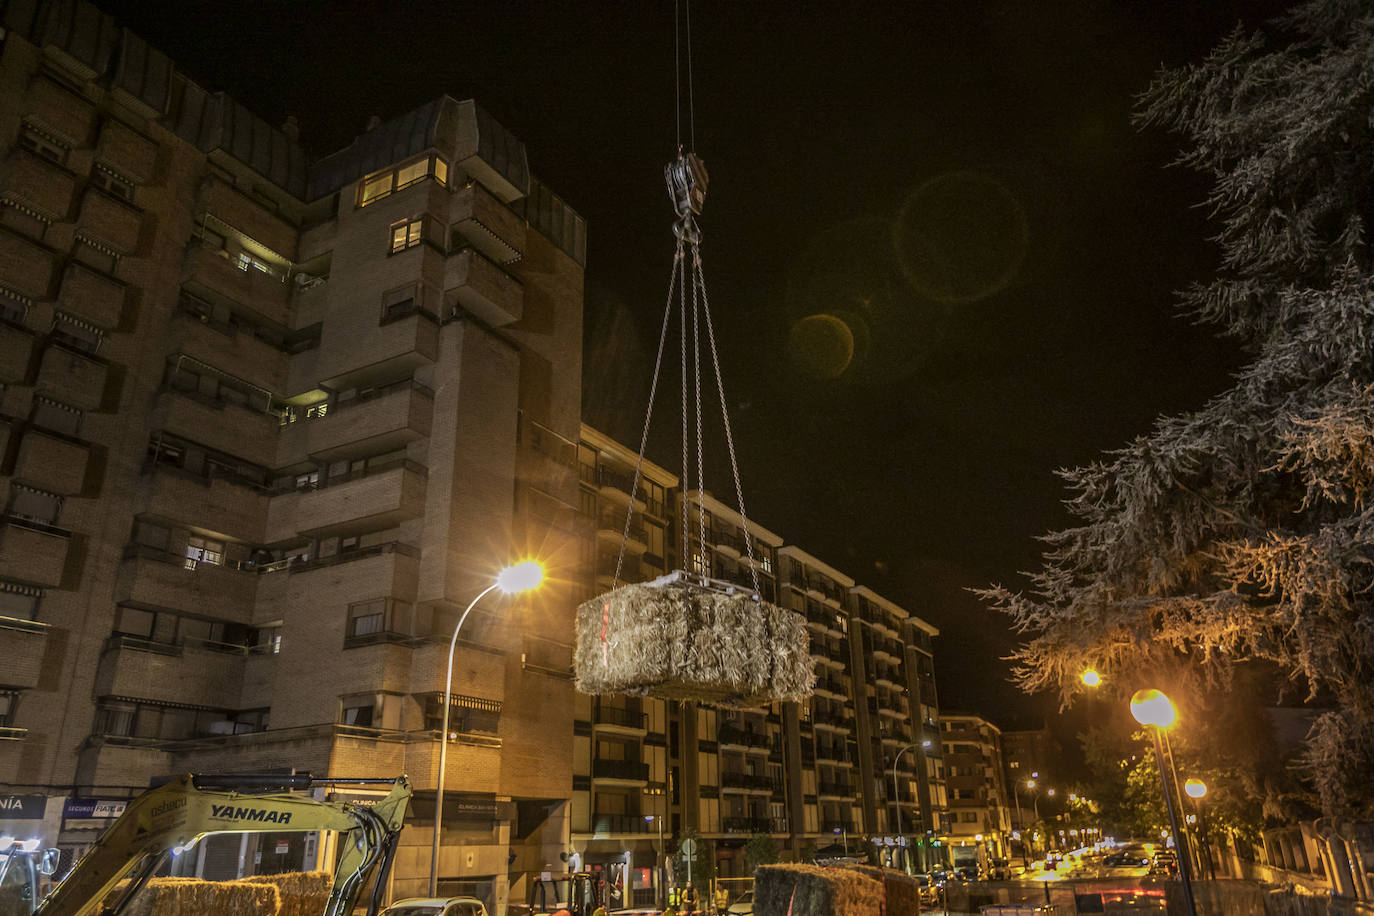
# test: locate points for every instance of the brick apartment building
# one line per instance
(268, 422)
(980, 816)
(810, 775)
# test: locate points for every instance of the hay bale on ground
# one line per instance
(300, 893)
(810, 890)
(685, 642)
(195, 897)
(901, 892)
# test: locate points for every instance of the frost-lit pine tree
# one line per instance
(1245, 530)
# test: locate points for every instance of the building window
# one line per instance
(266, 640)
(115, 719)
(74, 332)
(203, 550)
(407, 234)
(110, 181)
(9, 706)
(380, 185)
(44, 144)
(34, 505)
(56, 416)
(466, 715)
(359, 710)
(247, 263)
(19, 602)
(399, 302)
(367, 618)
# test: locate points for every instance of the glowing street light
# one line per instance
(1090, 678)
(1195, 788)
(1152, 708)
(518, 578)
(1030, 783)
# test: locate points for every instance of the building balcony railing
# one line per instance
(834, 789)
(627, 770)
(837, 826)
(620, 823)
(734, 735)
(731, 780)
(754, 824)
(616, 717)
(833, 720)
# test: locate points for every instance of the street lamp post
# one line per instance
(897, 792)
(518, 578)
(1153, 709)
(1196, 789)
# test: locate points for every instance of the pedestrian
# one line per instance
(689, 900)
(722, 899)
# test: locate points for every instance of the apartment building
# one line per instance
(980, 815)
(1030, 755)
(811, 775)
(269, 423)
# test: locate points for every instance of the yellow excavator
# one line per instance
(172, 818)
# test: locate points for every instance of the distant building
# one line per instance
(811, 775)
(1030, 754)
(981, 820)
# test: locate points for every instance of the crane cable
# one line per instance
(687, 197)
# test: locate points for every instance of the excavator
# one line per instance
(23, 864)
(171, 819)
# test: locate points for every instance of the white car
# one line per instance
(437, 906)
(744, 906)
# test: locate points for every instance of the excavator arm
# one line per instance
(172, 818)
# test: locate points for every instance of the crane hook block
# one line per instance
(686, 176)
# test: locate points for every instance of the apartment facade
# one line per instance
(269, 424)
(980, 815)
(833, 771)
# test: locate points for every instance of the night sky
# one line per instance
(957, 185)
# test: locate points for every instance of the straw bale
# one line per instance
(195, 897)
(300, 893)
(810, 890)
(690, 643)
(901, 893)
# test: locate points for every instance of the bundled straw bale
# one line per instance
(814, 891)
(299, 893)
(690, 643)
(901, 893)
(194, 897)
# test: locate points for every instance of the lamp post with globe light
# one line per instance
(1196, 789)
(1152, 708)
(513, 579)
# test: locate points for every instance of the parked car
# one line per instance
(1126, 859)
(1164, 862)
(744, 906)
(437, 906)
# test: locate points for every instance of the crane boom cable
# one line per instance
(691, 86)
(705, 569)
(677, 71)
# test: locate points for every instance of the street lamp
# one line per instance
(661, 856)
(1196, 789)
(1090, 678)
(518, 578)
(896, 792)
(1152, 708)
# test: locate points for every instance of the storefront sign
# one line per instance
(22, 807)
(84, 808)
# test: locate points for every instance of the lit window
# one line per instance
(203, 550)
(374, 188)
(406, 235)
(379, 186)
(246, 261)
(408, 174)
(440, 171)
(367, 617)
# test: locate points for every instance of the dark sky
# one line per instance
(958, 183)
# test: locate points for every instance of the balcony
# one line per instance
(826, 788)
(617, 486)
(833, 721)
(620, 721)
(91, 296)
(59, 110)
(747, 783)
(754, 824)
(381, 498)
(247, 432)
(474, 282)
(253, 359)
(831, 687)
(485, 223)
(26, 644)
(233, 207)
(26, 266)
(384, 421)
(201, 674)
(209, 274)
(390, 567)
(73, 377)
(233, 508)
(620, 772)
(39, 182)
(155, 578)
(16, 347)
(605, 824)
(50, 463)
(837, 826)
(732, 736)
(611, 528)
(110, 220)
(35, 554)
(832, 755)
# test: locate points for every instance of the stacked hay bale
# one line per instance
(194, 897)
(809, 890)
(901, 892)
(299, 893)
(685, 642)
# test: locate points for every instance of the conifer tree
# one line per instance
(1244, 531)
